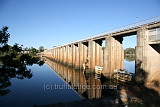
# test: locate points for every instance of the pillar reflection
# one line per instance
(85, 83)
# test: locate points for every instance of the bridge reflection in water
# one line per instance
(91, 85)
(86, 83)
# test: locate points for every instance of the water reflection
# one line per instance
(87, 84)
(13, 64)
(98, 86)
(129, 63)
(6, 74)
(129, 57)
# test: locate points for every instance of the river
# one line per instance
(51, 84)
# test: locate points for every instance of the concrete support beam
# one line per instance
(53, 53)
(113, 55)
(141, 55)
(77, 56)
(85, 46)
(64, 54)
(147, 56)
(73, 54)
(69, 55)
(91, 55)
(81, 55)
(98, 53)
(58, 54)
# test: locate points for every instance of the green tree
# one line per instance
(13, 62)
(41, 49)
(4, 35)
(33, 51)
(26, 49)
(129, 51)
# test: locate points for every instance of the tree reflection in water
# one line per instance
(129, 57)
(17, 69)
(13, 63)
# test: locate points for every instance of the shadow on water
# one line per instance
(101, 90)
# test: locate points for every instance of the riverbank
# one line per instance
(102, 102)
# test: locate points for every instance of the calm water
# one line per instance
(28, 92)
(129, 66)
(49, 85)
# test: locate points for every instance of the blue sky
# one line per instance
(51, 23)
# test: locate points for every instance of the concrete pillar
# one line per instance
(77, 56)
(91, 54)
(56, 54)
(64, 54)
(113, 55)
(147, 56)
(73, 55)
(85, 46)
(53, 53)
(140, 53)
(106, 63)
(60, 55)
(81, 55)
(69, 55)
(98, 53)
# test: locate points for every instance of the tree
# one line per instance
(41, 49)
(13, 63)
(33, 51)
(129, 51)
(26, 49)
(4, 35)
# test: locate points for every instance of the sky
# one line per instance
(51, 23)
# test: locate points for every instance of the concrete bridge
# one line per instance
(89, 51)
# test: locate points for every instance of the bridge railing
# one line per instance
(147, 21)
